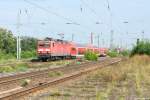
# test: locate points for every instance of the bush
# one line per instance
(16, 68)
(142, 48)
(113, 53)
(89, 55)
(125, 53)
(28, 54)
(21, 67)
(4, 56)
(25, 82)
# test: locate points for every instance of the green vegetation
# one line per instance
(25, 82)
(28, 54)
(125, 53)
(55, 74)
(142, 48)
(7, 41)
(113, 53)
(6, 69)
(8, 45)
(91, 56)
(21, 67)
(4, 56)
(116, 82)
(56, 93)
(128, 76)
(15, 68)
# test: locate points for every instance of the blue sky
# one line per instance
(136, 12)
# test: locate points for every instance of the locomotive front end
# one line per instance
(43, 50)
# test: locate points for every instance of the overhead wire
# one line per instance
(91, 9)
(56, 14)
(94, 12)
(112, 16)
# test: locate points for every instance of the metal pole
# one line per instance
(143, 33)
(98, 41)
(91, 38)
(17, 48)
(18, 37)
(72, 37)
(111, 39)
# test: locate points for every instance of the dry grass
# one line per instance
(55, 74)
(132, 77)
(127, 80)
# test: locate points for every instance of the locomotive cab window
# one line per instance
(41, 45)
(44, 45)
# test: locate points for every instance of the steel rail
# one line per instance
(33, 74)
(26, 91)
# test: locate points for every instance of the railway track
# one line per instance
(11, 62)
(81, 71)
(32, 74)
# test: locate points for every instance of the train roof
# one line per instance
(81, 45)
(51, 39)
(85, 45)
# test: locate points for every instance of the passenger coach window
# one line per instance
(53, 44)
(73, 49)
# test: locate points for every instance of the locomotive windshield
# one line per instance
(44, 45)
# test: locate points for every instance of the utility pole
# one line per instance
(102, 40)
(111, 39)
(72, 37)
(143, 34)
(18, 37)
(91, 38)
(98, 41)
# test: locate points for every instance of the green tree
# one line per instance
(7, 41)
(8, 45)
(28, 43)
(142, 48)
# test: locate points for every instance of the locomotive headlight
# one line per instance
(40, 50)
(47, 50)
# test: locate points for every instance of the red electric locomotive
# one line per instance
(59, 49)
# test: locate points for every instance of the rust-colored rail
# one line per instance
(12, 78)
(33, 74)
(25, 91)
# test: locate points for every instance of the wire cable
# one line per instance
(56, 14)
(91, 9)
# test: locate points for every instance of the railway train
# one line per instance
(52, 49)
